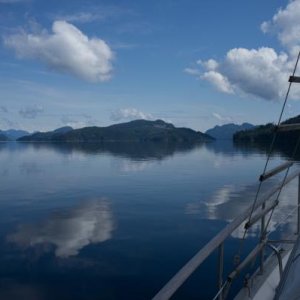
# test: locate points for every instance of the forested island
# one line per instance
(263, 134)
(134, 131)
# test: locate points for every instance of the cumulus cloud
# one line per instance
(88, 223)
(66, 50)
(210, 65)
(220, 81)
(263, 72)
(129, 114)
(31, 112)
(286, 25)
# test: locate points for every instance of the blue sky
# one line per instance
(192, 63)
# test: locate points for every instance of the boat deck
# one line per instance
(263, 286)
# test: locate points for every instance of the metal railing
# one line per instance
(261, 208)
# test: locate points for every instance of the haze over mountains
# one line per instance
(12, 134)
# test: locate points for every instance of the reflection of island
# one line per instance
(132, 166)
(89, 223)
(27, 168)
(229, 201)
(283, 149)
(138, 150)
(133, 150)
(229, 149)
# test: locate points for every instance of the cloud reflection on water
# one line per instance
(133, 166)
(88, 223)
(229, 201)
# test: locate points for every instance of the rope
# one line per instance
(275, 133)
(220, 290)
(283, 182)
(283, 221)
(282, 185)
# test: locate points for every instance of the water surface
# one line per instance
(116, 221)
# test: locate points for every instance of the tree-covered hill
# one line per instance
(136, 131)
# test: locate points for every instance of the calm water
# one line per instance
(117, 221)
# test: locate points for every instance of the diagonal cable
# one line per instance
(275, 133)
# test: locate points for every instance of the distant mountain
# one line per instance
(226, 132)
(47, 136)
(14, 134)
(134, 131)
(263, 134)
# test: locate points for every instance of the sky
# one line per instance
(193, 63)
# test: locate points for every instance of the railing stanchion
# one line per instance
(298, 215)
(261, 239)
(217, 243)
(220, 269)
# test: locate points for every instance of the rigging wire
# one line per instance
(275, 134)
(283, 221)
(220, 290)
(282, 185)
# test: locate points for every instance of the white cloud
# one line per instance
(89, 223)
(192, 71)
(219, 81)
(222, 118)
(129, 114)
(66, 50)
(31, 112)
(98, 12)
(81, 17)
(210, 64)
(263, 72)
(286, 24)
(259, 72)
